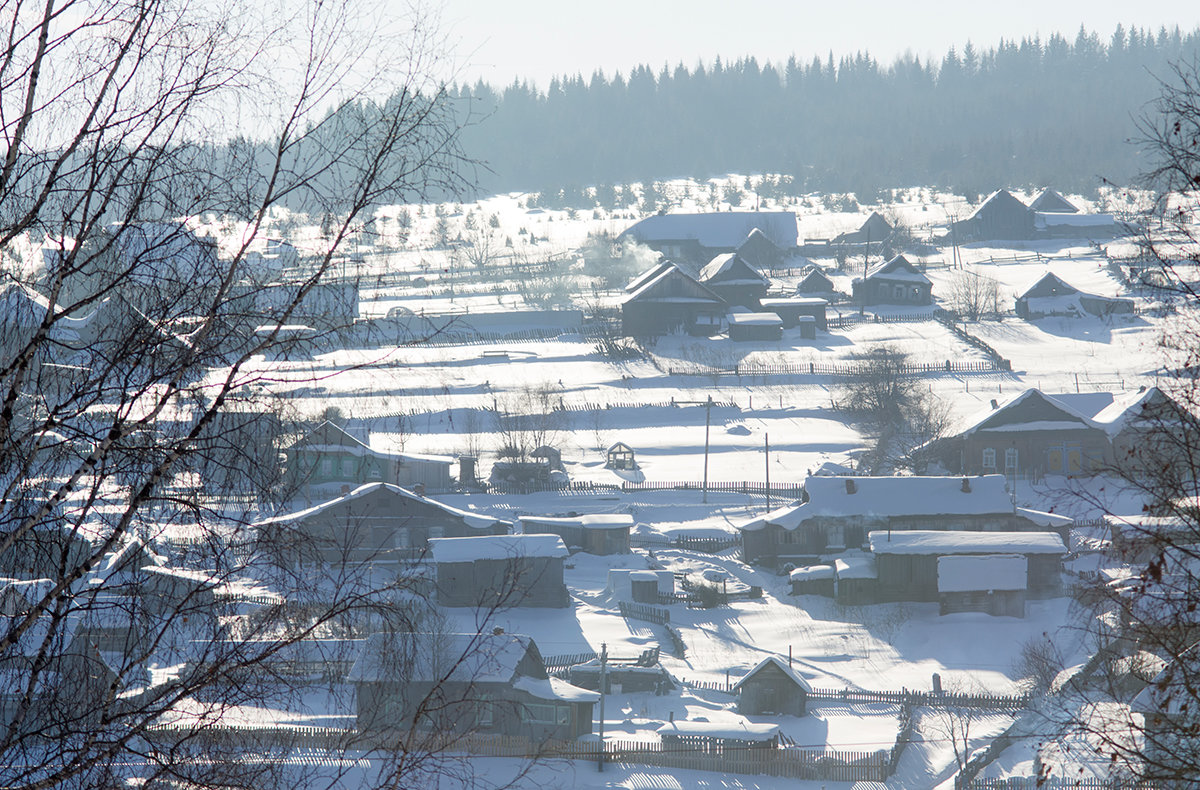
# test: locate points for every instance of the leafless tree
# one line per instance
(142, 608)
(974, 296)
(893, 406)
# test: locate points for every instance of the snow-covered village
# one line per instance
(324, 465)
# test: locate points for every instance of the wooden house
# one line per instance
(43, 551)
(875, 230)
(1051, 201)
(329, 459)
(816, 283)
(791, 309)
(745, 326)
(492, 684)
(1151, 434)
(994, 584)
(840, 510)
(1000, 217)
(697, 237)
(896, 281)
(596, 533)
(734, 279)
(375, 522)
(665, 299)
(501, 571)
(760, 252)
(1030, 434)
(907, 562)
(1051, 296)
(772, 687)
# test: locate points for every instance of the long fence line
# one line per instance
(922, 699)
(834, 369)
(1058, 783)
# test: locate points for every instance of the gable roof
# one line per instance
(656, 288)
(1031, 409)
(652, 273)
(1150, 406)
(497, 547)
(831, 496)
(730, 268)
(775, 661)
(815, 280)
(898, 268)
(385, 490)
(1049, 284)
(1000, 200)
(431, 658)
(1049, 200)
(717, 230)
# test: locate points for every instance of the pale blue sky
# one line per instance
(498, 40)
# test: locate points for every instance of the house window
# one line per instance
(1010, 460)
(899, 291)
(437, 532)
(545, 714)
(402, 539)
(327, 466)
(989, 458)
(484, 717)
(347, 467)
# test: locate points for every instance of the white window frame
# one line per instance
(989, 458)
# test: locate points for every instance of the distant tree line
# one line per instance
(1036, 112)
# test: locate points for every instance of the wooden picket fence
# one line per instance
(1059, 783)
(834, 369)
(651, 614)
(927, 699)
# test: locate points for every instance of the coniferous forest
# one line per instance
(1061, 112)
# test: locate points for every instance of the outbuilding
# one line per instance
(994, 584)
(500, 571)
(594, 533)
(755, 326)
(772, 687)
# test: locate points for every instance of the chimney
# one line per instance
(966, 486)
(419, 489)
(995, 404)
(850, 486)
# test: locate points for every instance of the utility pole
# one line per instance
(767, 442)
(707, 426)
(603, 681)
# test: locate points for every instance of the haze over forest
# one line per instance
(1059, 111)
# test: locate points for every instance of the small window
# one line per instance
(347, 467)
(546, 714)
(437, 532)
(989, 458)
(1010, 459)
(326, 466)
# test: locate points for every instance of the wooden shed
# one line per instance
(812, 580)
(755, 326)
(715, 738)
(994, 584)
(772, 687)
(907, 562)
(594, 533)
(792, 308)
(501, 570)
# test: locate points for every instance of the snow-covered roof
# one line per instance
(587, 521)
(898, 268)
(1051, 201)
(733, 731)
(966, 573)
(781, 665)
(473, 520)
(999, 197)
(1127, 409)
(840, 495)
(727, 262)
(922, 541)
(646, 284)
(810, 573)
(555, 689)
(1045, 412)
(1173, 690)
(650, 274)
(1053, 219)
(719, 229)
(754, 319)
(855, 566)
(497, 547)
(1043, 519)
(794, 301)
(425, 657)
